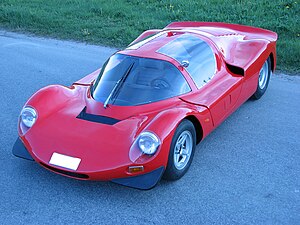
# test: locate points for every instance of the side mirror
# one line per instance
(185, 63)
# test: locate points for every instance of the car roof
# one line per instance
(151, 46)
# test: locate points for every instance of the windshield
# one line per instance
(128, 80)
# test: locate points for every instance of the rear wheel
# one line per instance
(263, 79)
(181, 151)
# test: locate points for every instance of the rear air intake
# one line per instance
(235, 69)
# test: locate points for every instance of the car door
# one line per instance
(222, 96)
(218, 88)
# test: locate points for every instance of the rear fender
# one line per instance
(252, 72)
(270, 51)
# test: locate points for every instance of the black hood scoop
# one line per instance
(96, 118)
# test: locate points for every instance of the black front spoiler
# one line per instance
(19, 150)
(144, 182)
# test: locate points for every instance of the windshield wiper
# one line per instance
(114, 92)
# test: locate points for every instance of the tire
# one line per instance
(263, 79)
(181, 151)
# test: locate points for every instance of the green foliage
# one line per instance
(116, 23)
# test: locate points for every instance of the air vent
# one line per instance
(96, 118)
(68, 173)
(235, 69)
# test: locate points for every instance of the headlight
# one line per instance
(28, 116)
(148, 143)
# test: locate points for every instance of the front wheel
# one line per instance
(263, 79)
(181, 151)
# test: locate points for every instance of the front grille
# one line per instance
(68, 173)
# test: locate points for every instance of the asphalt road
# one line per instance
(246, 172)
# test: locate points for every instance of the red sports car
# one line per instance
(140, 116)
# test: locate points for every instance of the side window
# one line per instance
(202, 65)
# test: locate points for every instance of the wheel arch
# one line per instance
(271, 56)
(198, 127)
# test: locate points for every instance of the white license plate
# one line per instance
(65, 161)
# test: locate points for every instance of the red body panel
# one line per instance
(104, 149)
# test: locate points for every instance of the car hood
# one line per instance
(100, 145)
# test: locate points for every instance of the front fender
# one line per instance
(53, 98)
(164, 125)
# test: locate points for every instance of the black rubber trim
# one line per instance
(19, 150)
(96, 118)
(64, 172)
(144, 182)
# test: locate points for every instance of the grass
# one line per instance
(116, 23)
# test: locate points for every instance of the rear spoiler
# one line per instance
(209, 26)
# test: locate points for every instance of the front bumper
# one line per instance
(144, 181)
